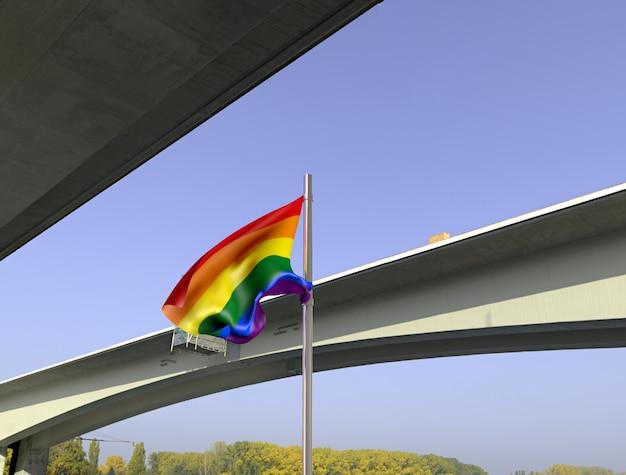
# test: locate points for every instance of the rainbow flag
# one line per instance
(220, 294)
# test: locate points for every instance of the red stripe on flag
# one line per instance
(177, 297)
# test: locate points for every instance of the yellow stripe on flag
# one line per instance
(217, 294)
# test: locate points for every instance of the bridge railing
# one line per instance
(181, 340)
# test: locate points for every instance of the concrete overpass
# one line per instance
(91, 89)
(552, 279)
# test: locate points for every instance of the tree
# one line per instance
(137, 462)
(215, 460)
(155, 466)
(7, 462)
(94, 455)
(561, 469)
(115, 464)
(68, 458)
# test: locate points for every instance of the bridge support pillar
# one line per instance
(3, 458)
(32, 459)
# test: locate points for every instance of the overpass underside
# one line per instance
(470, 296)
(91, 89)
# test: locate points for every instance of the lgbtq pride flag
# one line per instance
(220, 294)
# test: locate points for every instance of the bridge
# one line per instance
(551, 279)
(91, 89)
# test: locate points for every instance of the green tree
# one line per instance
(68, 458)
(561, 469)
(93, 456)
(154, 461)
(115, 464)
(7, 462)
(215, 461)
(137, 462)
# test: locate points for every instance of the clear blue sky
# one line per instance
(419, 117)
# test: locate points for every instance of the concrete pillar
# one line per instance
(32, 459)
(3, 458)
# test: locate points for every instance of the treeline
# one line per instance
(561, 469)
(262, 458)
(249, 458)
(69, 458)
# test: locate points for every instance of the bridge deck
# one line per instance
(91, 90)
(548, 280)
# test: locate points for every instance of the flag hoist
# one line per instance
(220, 294)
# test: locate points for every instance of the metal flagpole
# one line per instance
(307, 334)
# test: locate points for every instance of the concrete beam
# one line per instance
(32, 458)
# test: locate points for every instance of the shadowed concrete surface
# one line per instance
(553, 279)
(89, 90)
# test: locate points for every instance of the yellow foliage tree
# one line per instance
(115, 464)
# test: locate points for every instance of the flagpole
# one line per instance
(307, 334)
